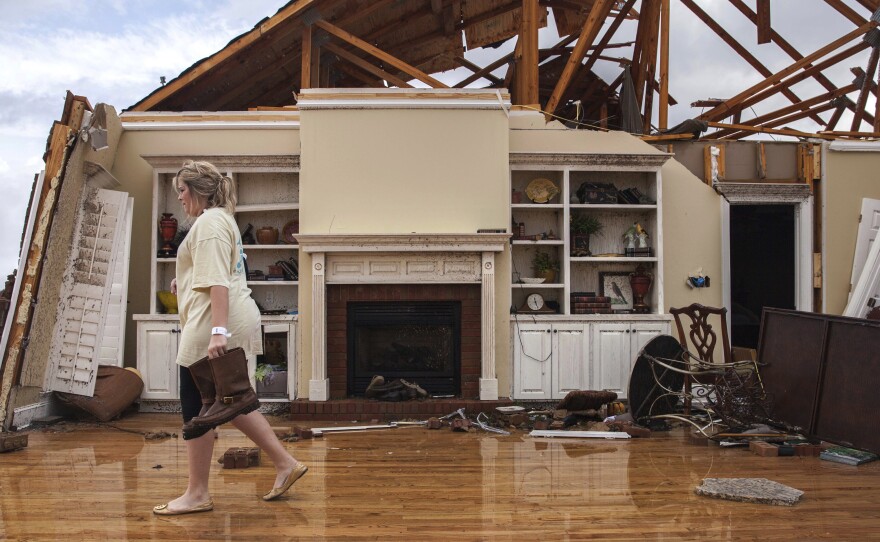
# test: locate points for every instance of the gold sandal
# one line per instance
(163, 510)
(298, 471)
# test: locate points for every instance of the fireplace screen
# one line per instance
(415, 341)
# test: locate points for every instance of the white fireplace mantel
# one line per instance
(402, 258)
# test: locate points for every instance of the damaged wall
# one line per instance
(849, 177)
(741, 159)
(136, 177)
(57, 252)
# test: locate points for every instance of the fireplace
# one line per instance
(419, 341)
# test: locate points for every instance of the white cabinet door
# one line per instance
(641, 333)
(157, 352)
(610, 358)
(532, 350)
(571, 358)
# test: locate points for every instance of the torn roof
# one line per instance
(402, 43)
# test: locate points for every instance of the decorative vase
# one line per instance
(549, 275)
(640, 282)
(267, 235)
(167, 230)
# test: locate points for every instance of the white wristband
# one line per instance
(220, 331)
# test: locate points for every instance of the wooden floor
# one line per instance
(87, 482)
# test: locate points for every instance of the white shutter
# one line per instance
(85, 292)
(868, 228)
(113, 340)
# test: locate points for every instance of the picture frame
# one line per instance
(615, 285)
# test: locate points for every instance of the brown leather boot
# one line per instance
(204, 381)
(234, 394)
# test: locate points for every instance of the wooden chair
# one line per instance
(698, 337)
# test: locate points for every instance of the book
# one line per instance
(592, 311)
(590, 299)
(606, 305)
(847, 456)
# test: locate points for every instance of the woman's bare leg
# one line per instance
(198, 452)
(256, 427)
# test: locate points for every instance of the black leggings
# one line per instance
(191, 404)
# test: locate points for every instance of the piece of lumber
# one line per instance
(663, 113)
(580, 434)
(862, 100)
(765, 30)
(762, 130)
(306, 69)
(527, 65)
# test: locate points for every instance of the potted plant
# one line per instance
(582, 227)
(545, 266)
(271, 380)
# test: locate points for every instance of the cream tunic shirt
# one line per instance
(211, 254)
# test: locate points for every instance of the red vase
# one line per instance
(167, 229)
(640, 282)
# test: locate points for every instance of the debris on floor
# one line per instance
(582, 434)
(240, 458)
(755, 490)
(10, 442)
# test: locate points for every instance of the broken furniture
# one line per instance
(732, 393)
(115, 389)
(823, 373)
(701, 337)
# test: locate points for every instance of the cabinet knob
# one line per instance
(554, 331)
(627, 331)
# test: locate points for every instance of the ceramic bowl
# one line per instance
(533, 280)
(168, 300)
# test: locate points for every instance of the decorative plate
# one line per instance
(533, 280)
(541, 190)
(289, 231)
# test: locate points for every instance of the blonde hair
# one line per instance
(205, 181)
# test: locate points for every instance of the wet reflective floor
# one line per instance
(91, 482)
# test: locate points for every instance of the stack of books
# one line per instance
(590, 303)
(847, 456)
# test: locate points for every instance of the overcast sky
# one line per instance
(114, 51)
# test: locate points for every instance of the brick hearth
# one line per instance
(357, 409)
(339, 295)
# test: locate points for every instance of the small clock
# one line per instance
(535, 303)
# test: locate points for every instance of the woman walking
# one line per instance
(217, 317)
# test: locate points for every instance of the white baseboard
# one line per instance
(23, 416)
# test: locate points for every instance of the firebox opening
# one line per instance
(419, 341)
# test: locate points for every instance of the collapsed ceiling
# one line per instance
(405, 43)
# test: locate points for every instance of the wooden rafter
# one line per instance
(590, 30)
(663, 114)
(288, 12)
(783, 121)
(378, 53)
(484, 71)
(476, 69)
(366, 66)
(765, 30)
(865, 90)
(648, 62)
(804, 105)
(761, 130)
(600, 46)
(727, 107)
(306, 70)
(847, 12)
(527, 65)
(740, 49)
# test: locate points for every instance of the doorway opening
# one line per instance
(762, 266)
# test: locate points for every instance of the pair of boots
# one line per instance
(225, 388)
